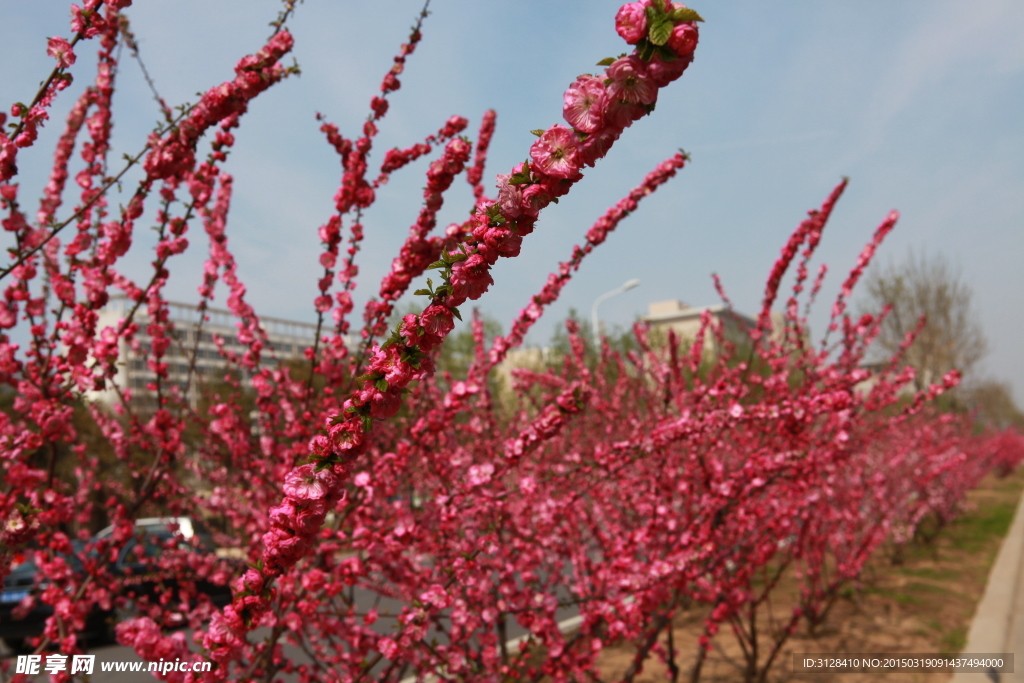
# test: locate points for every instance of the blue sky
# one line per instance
(920, 104)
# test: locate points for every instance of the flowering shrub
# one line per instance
(397, 522)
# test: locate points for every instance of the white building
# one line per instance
(287, 339)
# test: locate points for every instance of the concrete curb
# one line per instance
(999, 614)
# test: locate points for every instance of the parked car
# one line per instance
(22, 583)
(135, 570)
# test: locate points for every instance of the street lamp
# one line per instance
(625, 287)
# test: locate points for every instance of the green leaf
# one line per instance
(412, 354)
(660, 31)
(665, 53)
(456, 313)
(538, 131)
(684, 14)
(645, 50)
(367, 424)
(522, 177)
(607, 61)
(381, 385)
(423, 292)
(437, 264)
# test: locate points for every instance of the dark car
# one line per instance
(136, 571)
(16, 625)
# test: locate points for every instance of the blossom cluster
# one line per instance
(599, 107)
(596, 236)
(396, 517)
(494, 231)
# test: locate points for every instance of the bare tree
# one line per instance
(993, 403)
(927, 286)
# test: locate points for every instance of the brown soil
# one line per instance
(923, 605)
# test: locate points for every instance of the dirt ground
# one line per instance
(923, 605)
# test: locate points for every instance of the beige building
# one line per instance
(685, 321)
(287, 339)
(532, 359)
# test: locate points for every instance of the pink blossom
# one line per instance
(462, 504)
(595, 146)
(475, 174)
(510, 197)
(556, 153)
(346, 437)
(87, 20)
(503, 242)
(61, 50)
(631, 22)
(437, 320)
(390, 363)
(582, 103)
(535, 198)
(305, 483)
(663, 72)
(629, 81)
(621, 114)
(683, 41)
(436, 596)
(384, 404)
(480, 474)
(310, 517)
(320, 446)
(283, 548)
(388, 647)
(470, 278)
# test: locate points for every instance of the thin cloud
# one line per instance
(947, 39)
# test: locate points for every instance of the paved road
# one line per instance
(364, 601)
(998, 624)
(119, 653)
(109, 653)
(1016, 639)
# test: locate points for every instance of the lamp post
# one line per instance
(625, 287)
